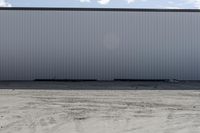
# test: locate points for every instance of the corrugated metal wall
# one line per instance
(101, 45)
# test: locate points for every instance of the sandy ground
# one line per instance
(99, 111)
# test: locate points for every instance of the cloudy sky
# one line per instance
(104, 3)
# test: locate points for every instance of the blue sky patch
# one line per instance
(174, 4)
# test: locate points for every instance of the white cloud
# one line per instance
(84, 0)
(172, 7)
(196, 3)
(130, 1)
(103, 2)
(3, 3)
(172, 3)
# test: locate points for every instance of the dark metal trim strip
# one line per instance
(98, 9)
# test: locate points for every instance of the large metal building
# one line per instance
(99, 44)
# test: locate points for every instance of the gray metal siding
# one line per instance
(99, 45)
